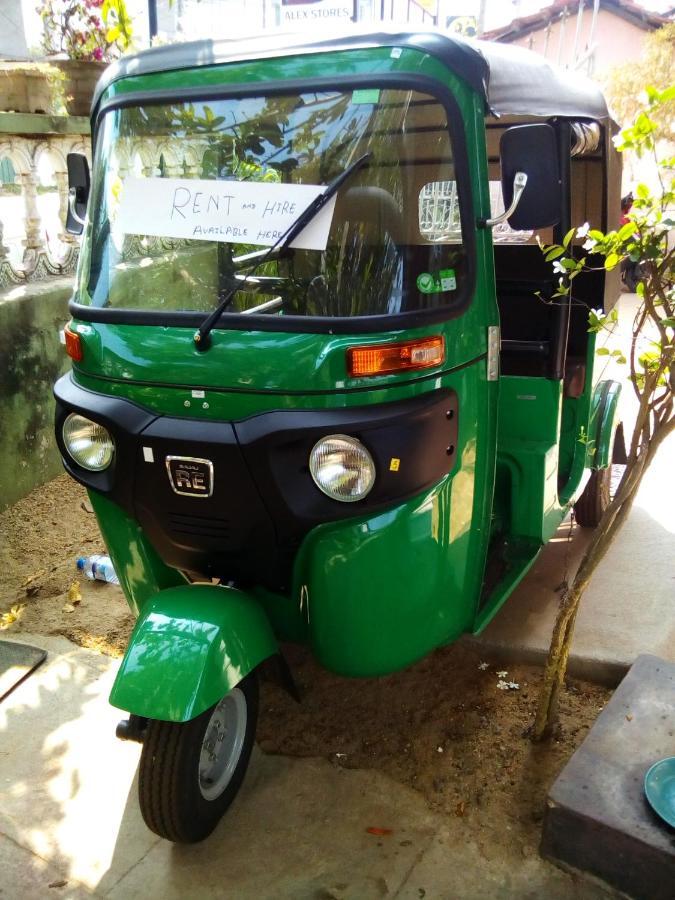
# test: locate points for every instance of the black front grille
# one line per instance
(202, 526)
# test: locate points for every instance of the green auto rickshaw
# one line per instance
(320, 392)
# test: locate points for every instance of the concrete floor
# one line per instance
(68, 813)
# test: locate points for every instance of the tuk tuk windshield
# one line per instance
(185, 193)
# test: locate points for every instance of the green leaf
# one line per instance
(554, 252)
(568, 237)
(602, 351)
(627, 230)
(611, 260)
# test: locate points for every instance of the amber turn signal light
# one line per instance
(73, 344)
(383, 359)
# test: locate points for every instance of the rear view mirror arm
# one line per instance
(519, 182)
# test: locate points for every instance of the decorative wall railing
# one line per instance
(34, 244)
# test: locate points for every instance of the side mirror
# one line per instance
(78, 192)
(533, 150)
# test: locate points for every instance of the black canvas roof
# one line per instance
(512, 80)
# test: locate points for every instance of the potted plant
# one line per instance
(81, 37)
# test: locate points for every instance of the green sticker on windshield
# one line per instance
(437, 282)
(366, 95)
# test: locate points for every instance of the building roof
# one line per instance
(513, 81)
(626, 9)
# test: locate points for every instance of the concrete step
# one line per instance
(597, 818)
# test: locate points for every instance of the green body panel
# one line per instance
(248, 372)
(139, 568)
(191, 645)
(603, 424)
(381, 591)
(528, 441)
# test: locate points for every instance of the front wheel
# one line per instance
(190, 772)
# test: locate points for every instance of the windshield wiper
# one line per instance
(201, 336)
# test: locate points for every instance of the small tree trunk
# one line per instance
(610, 524)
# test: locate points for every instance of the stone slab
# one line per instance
(30, 366)
(39, 124)
(17, 661)
(597, 818)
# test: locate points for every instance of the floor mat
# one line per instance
(17, 661)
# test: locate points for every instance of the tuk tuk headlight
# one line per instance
(89, 443)
(342, 468)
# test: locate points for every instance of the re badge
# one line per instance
(190, 477)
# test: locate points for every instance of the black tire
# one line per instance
(171, 777)
(595, 499)
(631, 275)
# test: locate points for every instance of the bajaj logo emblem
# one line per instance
(190, 477)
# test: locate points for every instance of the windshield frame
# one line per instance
(293, 323)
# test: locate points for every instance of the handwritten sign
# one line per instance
(237, 212)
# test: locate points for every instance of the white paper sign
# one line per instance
(238, 212)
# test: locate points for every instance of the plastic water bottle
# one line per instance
(98, 568)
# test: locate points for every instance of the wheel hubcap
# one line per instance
(222, 744)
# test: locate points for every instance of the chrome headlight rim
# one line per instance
(76, 445)
(356, 444)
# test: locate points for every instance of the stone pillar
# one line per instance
(4, 251)
(34, 240)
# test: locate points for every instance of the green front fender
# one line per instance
(604, 414)
(191, 645)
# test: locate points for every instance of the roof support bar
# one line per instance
(561, 322)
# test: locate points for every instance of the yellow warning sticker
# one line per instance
(394, 464)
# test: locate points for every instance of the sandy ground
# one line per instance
(41, 538)
(442, 726)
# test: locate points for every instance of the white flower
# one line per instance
(513, 686)
(583, 230)
(558, 267)
(483, 666)
(589, 244)
(502, 674)
(502, 685)
(439, 749)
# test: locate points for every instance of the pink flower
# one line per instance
(98, 54)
